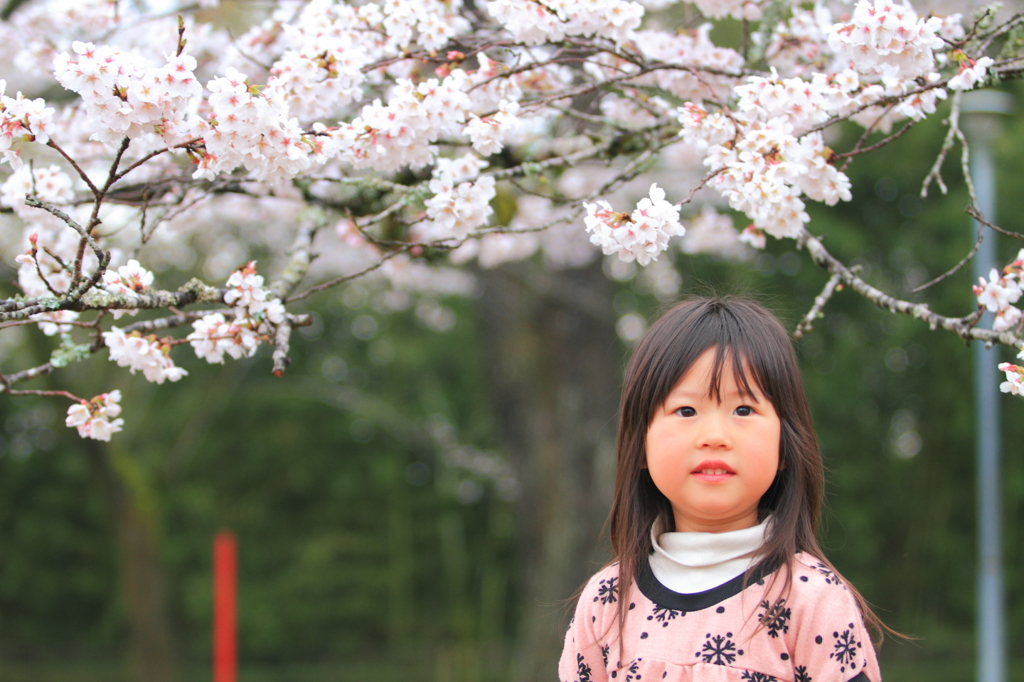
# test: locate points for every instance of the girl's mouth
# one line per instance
(713, 470)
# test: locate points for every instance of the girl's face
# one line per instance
(713, 460)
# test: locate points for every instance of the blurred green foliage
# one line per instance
(365, 538)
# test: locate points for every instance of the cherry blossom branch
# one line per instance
(280, 355)
(346, 278)
(956, 268)
(74, 164)
(192, 292)
(301, 255)
(25, 375)
(998, 31)
(76, 291)
(947, 143)
(976, 214)
(169, 322)
(5, 388)
(148, 157)
(964, 327)
(815, 313)
(885, 99)
(858, 150)
(965, 166)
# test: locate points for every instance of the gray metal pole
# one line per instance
(981, 127)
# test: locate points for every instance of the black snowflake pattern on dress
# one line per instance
(607, 590)
(582, 669)
(718, 649)
(830, 576)
(633, 672)
(776, 616)
(757, 677)
(604, 654)
(845, 649)
(801, 674)
(663, 615)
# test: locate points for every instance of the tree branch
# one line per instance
(807, 324)
(961, 326)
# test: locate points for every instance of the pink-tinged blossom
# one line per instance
(131, 97)
(50, 184)
(129, 280)
(489, 133)
(251, 300)
(496, 249)
(146, 353)
(737, 9)
(687, 48)
(971, 72)
(758, 176)
(22, 120)
(1006, 319)
(1014, 383)
(490, 85)
(533, 23)
(255, 311)
(97, 418)
(642, 235)
(713, 233)
(887, 39)
(822, 181)
(799, 45)
(214, 336)
(753, 236)
(998, 292)
(456, 210)
(387, 137)
(56, 322)
(254, 129)
(704, 129)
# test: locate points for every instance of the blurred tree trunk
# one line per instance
(141, 575)
(553, 363)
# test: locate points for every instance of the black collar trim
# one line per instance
(695, 601)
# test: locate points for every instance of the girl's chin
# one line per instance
(715, 521)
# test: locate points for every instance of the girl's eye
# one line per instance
(744, 411)
(686, 412)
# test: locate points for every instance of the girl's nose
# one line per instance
(714, 435)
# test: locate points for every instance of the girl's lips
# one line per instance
(713, 471)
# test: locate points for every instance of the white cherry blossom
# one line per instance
(97, 418)
(642, 235)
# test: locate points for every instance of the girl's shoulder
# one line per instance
(811, 574)
(603, 586)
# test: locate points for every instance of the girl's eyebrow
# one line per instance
(753, 394)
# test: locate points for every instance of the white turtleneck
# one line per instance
(695, 562)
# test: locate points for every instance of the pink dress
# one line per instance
(713, 636)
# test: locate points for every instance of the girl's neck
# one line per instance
(694, 562)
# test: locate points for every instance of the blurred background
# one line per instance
(422, 493)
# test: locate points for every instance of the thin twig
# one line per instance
(952, 271)
(345, 278)
(976, 214)
(881, 143)
(74, 164)
(965, 166)
(65, 394)
(807, 324)
(936, 171)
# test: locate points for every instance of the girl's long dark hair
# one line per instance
(758, 351)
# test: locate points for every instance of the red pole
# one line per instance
(225, 580)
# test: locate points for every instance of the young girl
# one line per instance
(717, 496)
